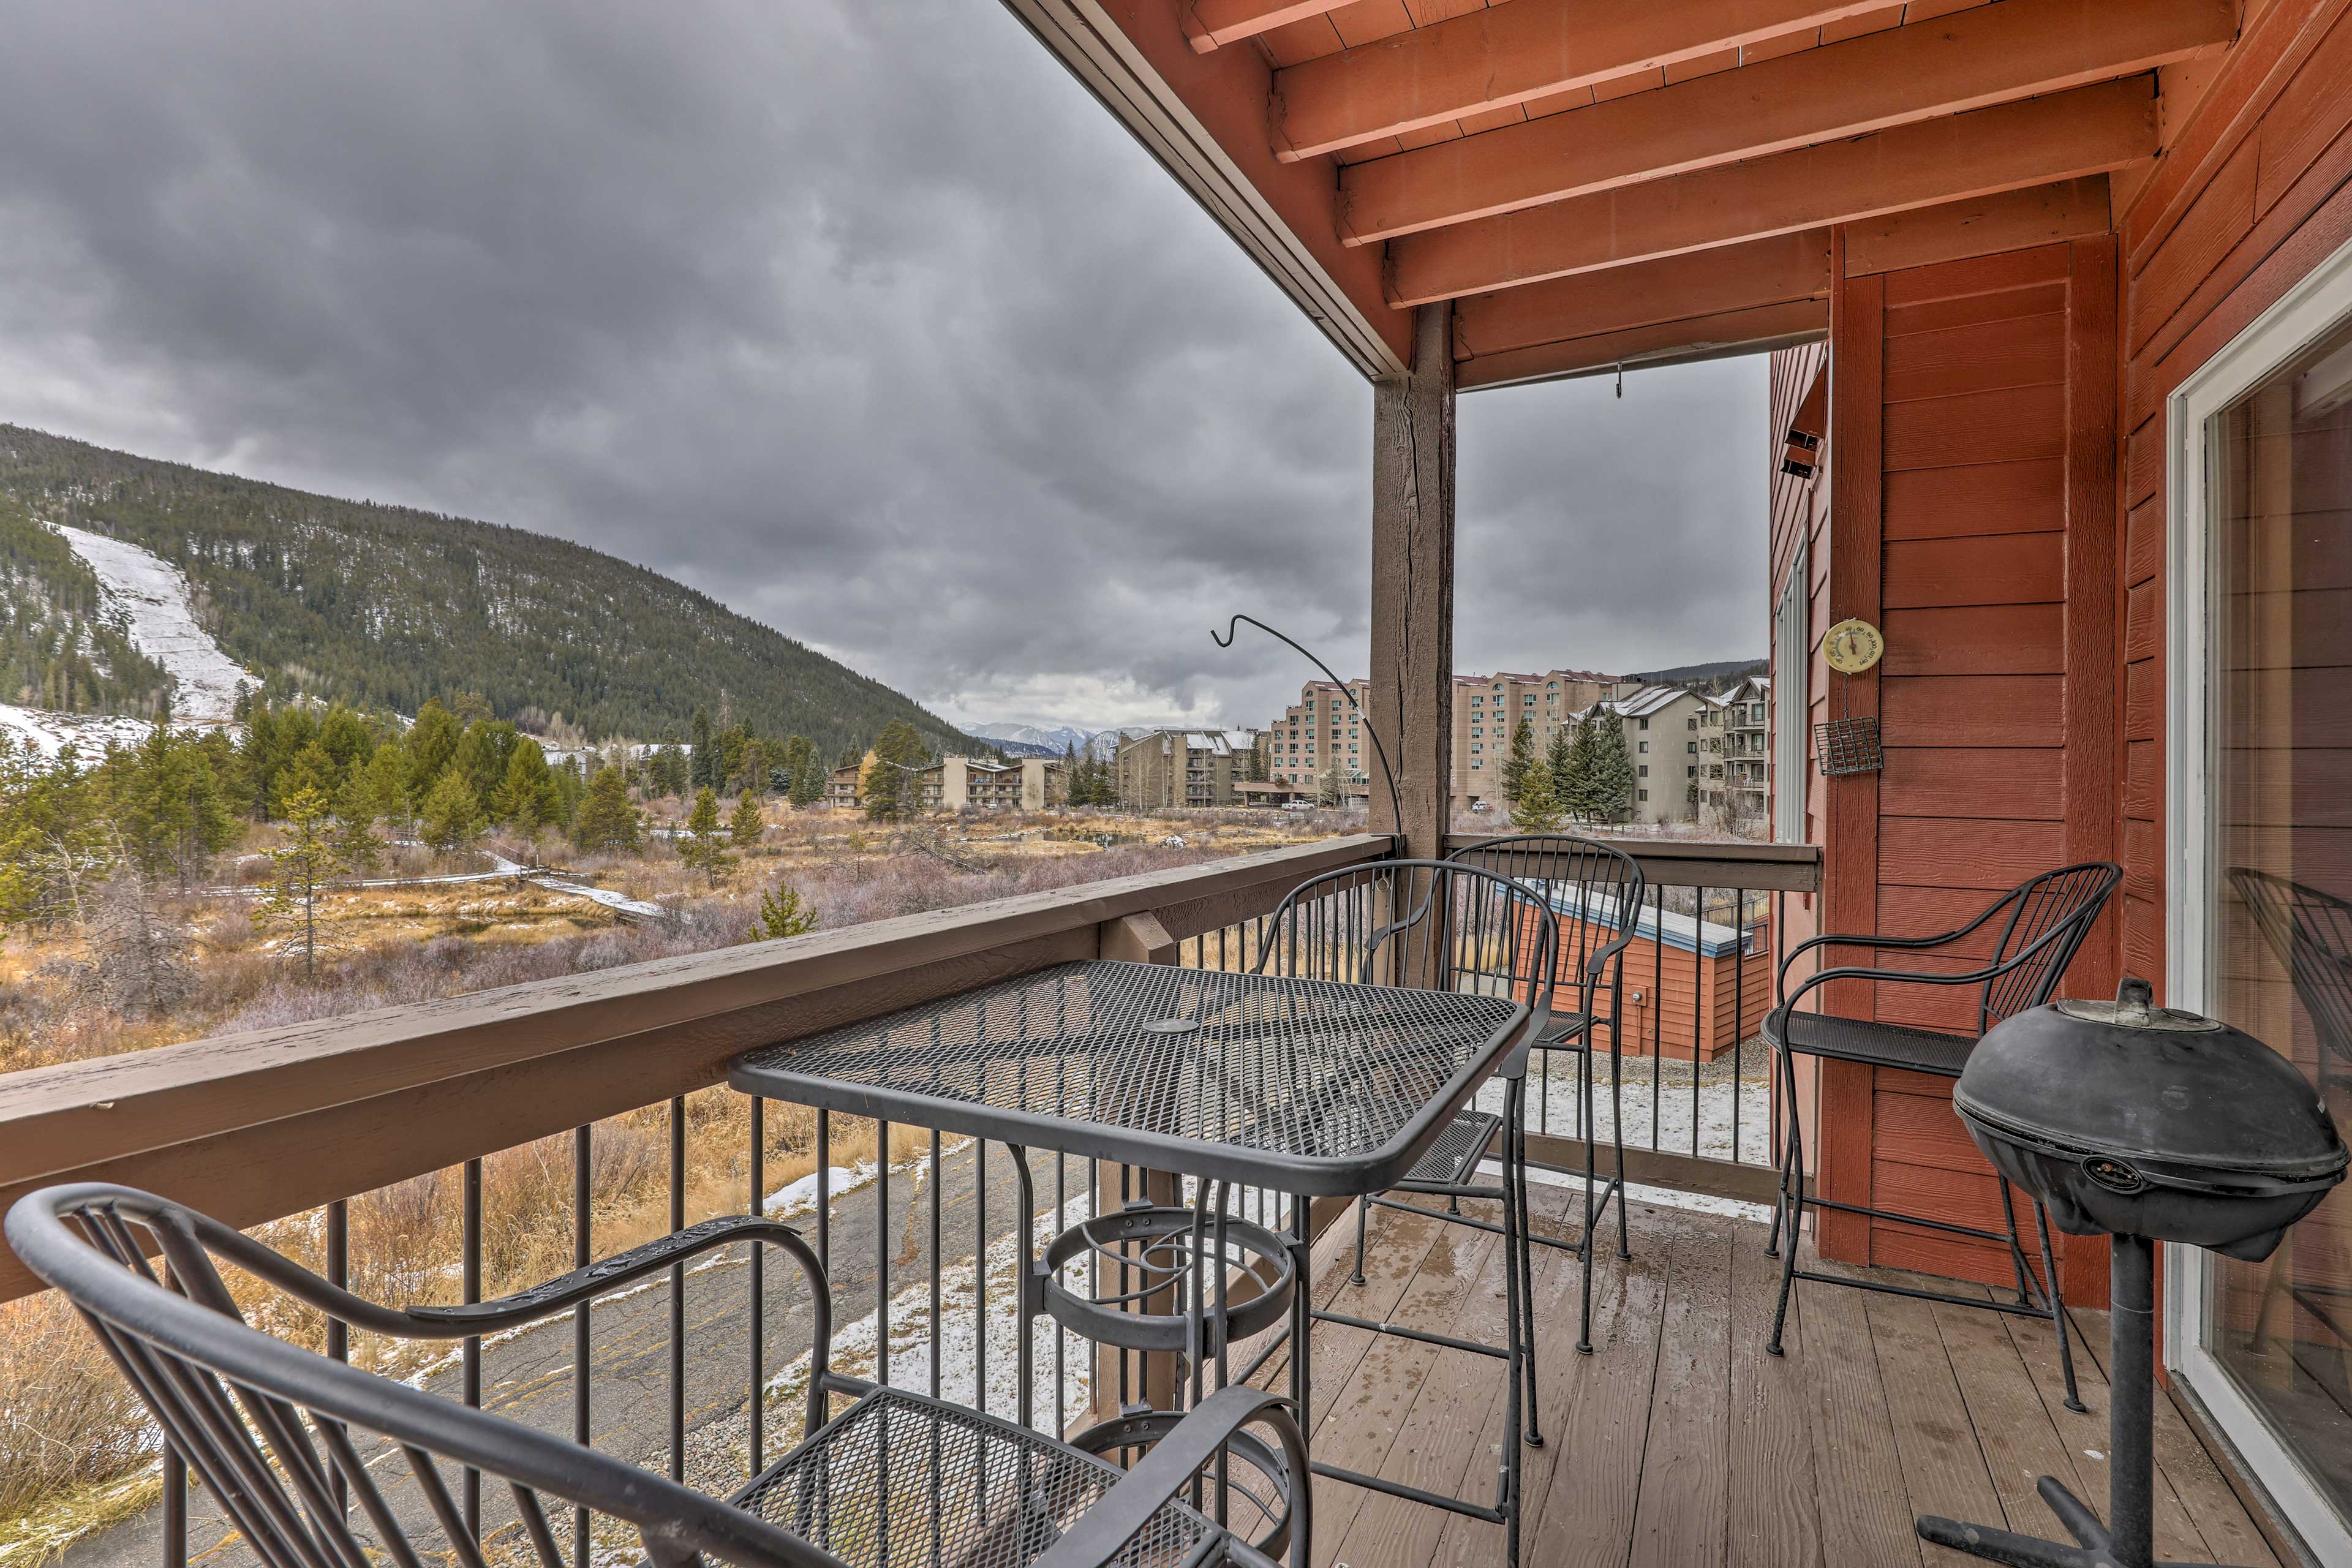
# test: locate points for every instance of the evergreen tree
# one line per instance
(451, 819)
(482, 755)
(1577, 783)
(665, 770)
(1538, 809)
(1612, 787)
(345, 740)
(606, 820)
(311, 769)
(890, 786)
(386, 779)
(301, 869)
(526, 799)
(431, 742)
(809, 777)
(703, 766)
(1521, 762)
(748, 827)
(782, 913)
(1559, 768)
(703, 843)
(356, 845)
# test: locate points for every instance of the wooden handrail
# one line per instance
(254, 1127)
(1705, 863)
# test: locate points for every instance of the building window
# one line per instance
(1643, 794)
(1646, 745)
(1646, 723)
(1645, 770)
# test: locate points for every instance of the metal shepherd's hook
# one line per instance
(1388, 775)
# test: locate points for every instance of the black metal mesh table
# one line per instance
(1304, 1087)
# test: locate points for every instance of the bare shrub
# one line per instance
(67, 1418)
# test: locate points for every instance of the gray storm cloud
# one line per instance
(861, 316)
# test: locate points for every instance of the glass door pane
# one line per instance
(2281, 963)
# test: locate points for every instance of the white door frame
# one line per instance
(2315, 306)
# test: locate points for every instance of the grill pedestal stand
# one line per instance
(2125, 1540)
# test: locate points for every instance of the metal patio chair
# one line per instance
(2043, 922)
(1440, 925)
(1602, 887)
(319, 1464)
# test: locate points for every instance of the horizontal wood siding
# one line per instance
(1997, 519)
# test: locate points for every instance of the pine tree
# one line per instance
(782, 913)
(452, 816)
(387, 776)
(890, 785)
(1578, 783)
(482, 755)
(1559, 768)
(526, 799)
(1538, 809)
(749, 825)
(703, 766)
(311, 769)
(1612, 789)
(702, 844)
(606, 820)
(356, 845)
(302, 867)
(808, 776)
(431, 742)
(1521, 762)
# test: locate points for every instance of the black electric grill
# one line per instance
(2148, 1124)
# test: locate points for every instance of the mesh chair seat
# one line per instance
(899, 1477)
(1863, 1040)
(1458, 1149)
(1567, 1026)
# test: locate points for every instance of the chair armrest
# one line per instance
(568, 1290)
(1103, 1531)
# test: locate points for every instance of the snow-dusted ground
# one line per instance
(153, 593)
(1664, 1105)
(50, 734)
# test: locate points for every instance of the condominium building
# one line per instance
(1183, 767)
(1324, 729)
(965, 784)
(1747, 747)
(1676, 738)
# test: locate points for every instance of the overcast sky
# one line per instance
(859, 315)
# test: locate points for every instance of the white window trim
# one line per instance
(2315, 306)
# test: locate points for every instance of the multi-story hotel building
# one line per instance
(1183, 767)
(1323, 728)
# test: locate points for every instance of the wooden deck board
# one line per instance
(1681, 1442)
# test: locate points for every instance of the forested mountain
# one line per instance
(383, 607)
(59, 647)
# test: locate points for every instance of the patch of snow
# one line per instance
(153, 596)
(50, 734)
(799, 1198)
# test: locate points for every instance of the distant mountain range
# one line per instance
(380, 606)
(1692, 674)
(1030, 741)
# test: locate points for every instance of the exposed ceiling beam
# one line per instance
(1666, 343)
(1212, 23)
(1905, 75)
(1704, 283)
(1505, 55)
(2088, 131)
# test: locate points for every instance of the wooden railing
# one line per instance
(254, 1127)
(251, 1127)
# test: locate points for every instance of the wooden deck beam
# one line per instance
(1412, 586)
(1919, 73)
(1213, 23)
(1770, 271)
(1505, 55)
(1757, 330)
(2064, 136)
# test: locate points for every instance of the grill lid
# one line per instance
(2157, 1088)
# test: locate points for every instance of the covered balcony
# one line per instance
(1988, 248)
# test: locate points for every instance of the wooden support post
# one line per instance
(1412, 586)
(1151, 1378)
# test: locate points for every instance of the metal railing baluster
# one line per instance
(759, 1283)
(881, 1251)
(936, 1304)
(473, 1352)
(677, 1292)
(582, 1148)
(339, 1333)
(1657, 1011)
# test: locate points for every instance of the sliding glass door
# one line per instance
(2260, 824)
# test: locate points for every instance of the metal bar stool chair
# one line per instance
(1442, 925)
(320, 1463)
(2043, 923)
(1594, 891)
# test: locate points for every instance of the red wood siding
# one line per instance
(1982, 394)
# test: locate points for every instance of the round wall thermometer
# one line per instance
(1851, 647)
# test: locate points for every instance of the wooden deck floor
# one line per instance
(1680, 1443)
